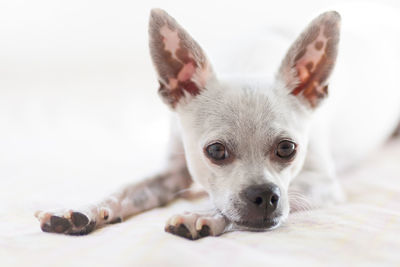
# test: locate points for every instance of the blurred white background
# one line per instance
(79, 110)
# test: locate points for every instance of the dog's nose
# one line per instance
(264, 198)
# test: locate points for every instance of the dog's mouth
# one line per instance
(260, 224)
(250, 221)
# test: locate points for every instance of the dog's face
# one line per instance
(245, 141)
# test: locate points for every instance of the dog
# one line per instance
(253, 145)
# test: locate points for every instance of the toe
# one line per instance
(180, 230)
(79, 219)
(46, 228)
(59, 224)
(183, 231)
(205, 231)
(37, 213)
(86, 230)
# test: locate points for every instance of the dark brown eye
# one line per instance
(217, 152)
(286, 149)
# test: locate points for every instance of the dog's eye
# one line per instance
(217, 152)
(286, 149)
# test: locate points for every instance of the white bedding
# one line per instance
(364, 231)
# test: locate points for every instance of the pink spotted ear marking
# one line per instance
(314, 53)
(170, 39)
(187, 68)
(312, 58)
(180, 62)
(312, 68)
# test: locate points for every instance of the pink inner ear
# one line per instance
(170, 39)
(186, 72)
(311, 67)
(182, 60)
(308, 63)
(182, 66)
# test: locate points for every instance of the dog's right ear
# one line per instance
(308, 64)
(182, 66)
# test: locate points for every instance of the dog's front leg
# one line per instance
(129, 200)
(132, 199)
(314, 189)
(317, 185)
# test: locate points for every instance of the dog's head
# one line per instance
(244, 142)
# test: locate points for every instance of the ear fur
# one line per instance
(311, 58)
(182, 66)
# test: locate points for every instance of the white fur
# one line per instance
(361, 112)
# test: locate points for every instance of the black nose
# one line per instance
(264, 197)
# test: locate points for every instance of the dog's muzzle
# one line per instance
(261, 209)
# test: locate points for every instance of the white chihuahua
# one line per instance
(253, 144)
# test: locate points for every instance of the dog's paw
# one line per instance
(194, 225)
(68, 222)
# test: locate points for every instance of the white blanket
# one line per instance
(364, 231)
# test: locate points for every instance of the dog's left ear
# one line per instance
(182, 66)
(310, 60)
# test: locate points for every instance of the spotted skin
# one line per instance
(310, 60)
(155, 191)
(182, 66)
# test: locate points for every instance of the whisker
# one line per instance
(299, 202)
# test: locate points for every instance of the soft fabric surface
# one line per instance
(364, 231)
